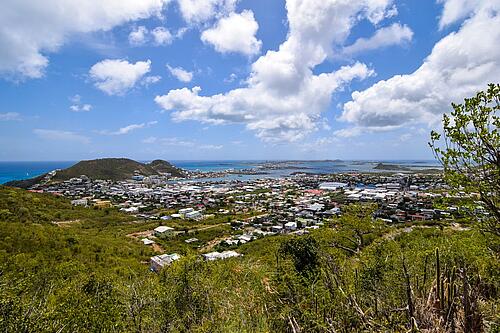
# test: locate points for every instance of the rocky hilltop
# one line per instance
(115, 169)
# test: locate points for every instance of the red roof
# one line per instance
(315, 192)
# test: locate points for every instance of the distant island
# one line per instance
(115, 169)
(390, 167)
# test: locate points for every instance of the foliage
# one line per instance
(89, 276)
(471, 152)
(304, 253)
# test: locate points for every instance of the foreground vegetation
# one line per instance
(353, 275)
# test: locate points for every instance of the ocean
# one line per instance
(23, 170)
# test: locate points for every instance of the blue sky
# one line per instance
(229, 79)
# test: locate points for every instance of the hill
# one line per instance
(106, 168)
(116, 169)
(390, 167)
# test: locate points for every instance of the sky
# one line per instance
(237, 79)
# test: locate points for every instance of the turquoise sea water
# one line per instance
(23, 170)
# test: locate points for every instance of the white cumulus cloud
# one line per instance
(78, 106)
(200, 11)
(138, 36)
(30, 30)
(162, 36)
(283, 98)
(459, 65)
(455, 10)
(180, 73)
(234, 33)
(116, 76)
(394, 34)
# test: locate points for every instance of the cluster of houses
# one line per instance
(292, 204)
(282, 204)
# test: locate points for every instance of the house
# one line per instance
(160, 261)
(130, 210)
(146, 241)
(277, 228)
(291, 226)
(79, 202)
(245, 238)
(184, 211)
(163, 231)
(102, 203)
(332, 186)
(220, 255)
(316, 207)
(194, 215)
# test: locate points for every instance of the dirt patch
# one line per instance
(157, 248)
(211, 244)
(65, 223)
(141, 234)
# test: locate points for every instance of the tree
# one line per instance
(470, 153)
(304, 253)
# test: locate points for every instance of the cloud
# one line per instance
(78, 106)
(32, 29)
(319, 145)
(148, 80)
(358, 130)
(180, 73)
(162, 36)
(10, 116)
(231, 78)
(138, 36)
(180, 142)
(175, 142)
(395, 34)
(459, 65)
(283, 99)
(57, 135)
(200, 11)
(76, 99)
(129, 128)
(455, 10)
(211, 147)
(234, 33)
(116, 77)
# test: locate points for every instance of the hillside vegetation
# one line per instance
(354, 275)
(116, 169)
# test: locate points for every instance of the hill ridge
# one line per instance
(114, 169)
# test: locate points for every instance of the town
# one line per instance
(214, 217)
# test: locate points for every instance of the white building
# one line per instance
(220, 255)
(147, 241)
(158, 262)
(291, 226)
(277, 228)
(184, 211)
(79, 202)
(332, 186)
(162, 231)
(194, 215)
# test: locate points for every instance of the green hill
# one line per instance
(107, 169)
